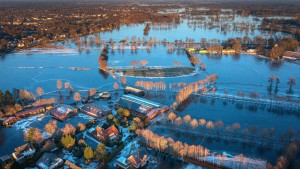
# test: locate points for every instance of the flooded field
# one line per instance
(33, 68)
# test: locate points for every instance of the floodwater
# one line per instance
(30, 69)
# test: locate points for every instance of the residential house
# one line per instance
(96, 111)
(49, 161)
(101, 134)
(140, 107)
(134, 157)
(23, 152)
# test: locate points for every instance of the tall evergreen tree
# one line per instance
(8, 98)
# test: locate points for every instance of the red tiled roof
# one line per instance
(60, 112)
(111, 131)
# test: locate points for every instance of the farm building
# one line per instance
(30, 112)
(134, 91)
(96, 111)
(62, 112)
(140, 107)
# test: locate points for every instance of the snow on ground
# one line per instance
(85, 116)
(92, 165)
(46, 135)
(237, 162)
(125, 132)
(127, 148)
(192, 166)
(227, 154)
(25, 123)
(69, 156)
(48, 51)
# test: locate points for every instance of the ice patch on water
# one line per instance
(227, 154)
(48, 51)
(192, 166)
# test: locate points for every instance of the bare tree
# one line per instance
(178, 121)
(210, 125)
(69, 129)
(123, 80)
(253, 130)
(220, 124)
(194, 123)
(92, 91)
(133, 63)
(236, 127)
(202, 122)
(187, 119)
(172, 116)
(116, 86)
(59, 85)
(77, 97)
(245, 132)
(291, 83)
(39, 91)
(51, 126)
(81, 126)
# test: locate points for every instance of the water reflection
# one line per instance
(103, 74)
(214, 56)
(276, 64)
(236, 57)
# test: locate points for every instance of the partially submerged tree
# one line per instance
(172, 116)
(77, 97)
(39, 91)
(291, 83)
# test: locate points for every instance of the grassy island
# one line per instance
(155, 71)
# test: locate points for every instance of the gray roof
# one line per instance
(137, 104)
(47, 160)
